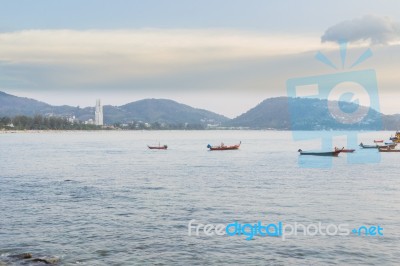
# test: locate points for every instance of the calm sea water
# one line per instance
(103, 198)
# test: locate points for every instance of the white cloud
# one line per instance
(147, 52)
(369, 28)
(193, 66)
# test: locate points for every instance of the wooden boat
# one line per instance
(376, 146)
(164, 147)
(328, 153)
(368, 146)
(345, 150)
(391, 146)
(388, 150)
(223, 147)
(378, 141)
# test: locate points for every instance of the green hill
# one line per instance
(148, 110)
(281, 113)
(307, 114)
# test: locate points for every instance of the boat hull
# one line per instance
(390, 146)
(348, 151)
(223, 148)
(388, 150)
(369, 146)
(157, 147)
(327, 153)
(331, 153)
(345, 150)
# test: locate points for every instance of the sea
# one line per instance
(104, 198)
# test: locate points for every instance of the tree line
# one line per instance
(159, 126)
(39, 122)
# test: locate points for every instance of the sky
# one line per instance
(225, 56)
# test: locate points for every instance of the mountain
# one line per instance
(391, 122)
(271, 113)
(168, 111)
(160, 110)
(310, 114)
(148, 110)
(280, 113)
(11, 105)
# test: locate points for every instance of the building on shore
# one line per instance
(89, 122)
(98, 119)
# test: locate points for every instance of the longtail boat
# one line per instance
(376, 146)
(378, 141)
(164, 147)
(223, 147)
(388, 145)
(369, 146)
(345, 150)
(327, 153)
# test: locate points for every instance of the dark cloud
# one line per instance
(372, 28)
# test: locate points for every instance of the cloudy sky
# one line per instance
(225, 56)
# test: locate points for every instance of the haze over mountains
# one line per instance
(280, 113)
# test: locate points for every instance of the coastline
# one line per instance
(2, 131)
(7, 131)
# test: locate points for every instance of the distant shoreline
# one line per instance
(7, 131)
(3, 131)
(45, 130)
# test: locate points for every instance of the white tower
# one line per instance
(98, 114)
